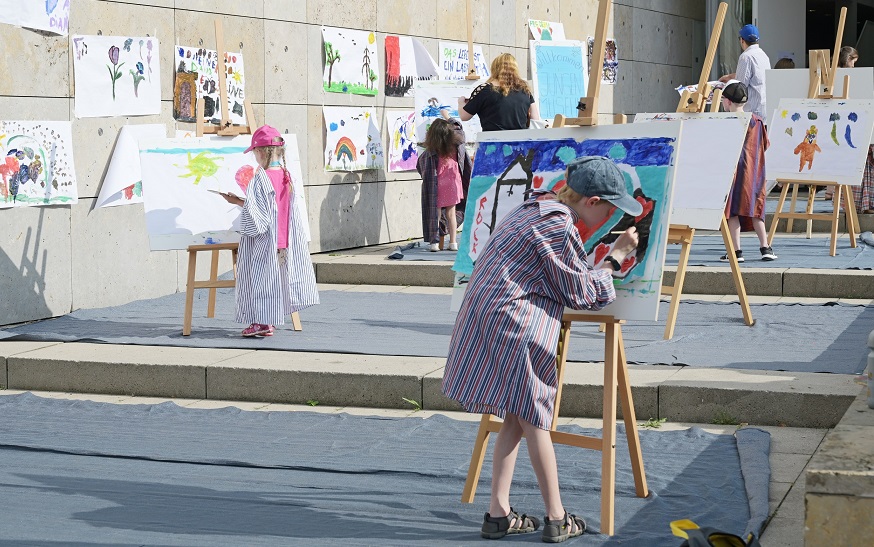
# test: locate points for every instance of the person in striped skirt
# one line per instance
(505, 341)
(275, 275)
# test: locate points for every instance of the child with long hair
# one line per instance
(504, 101)
(445, 168)
(275, 274)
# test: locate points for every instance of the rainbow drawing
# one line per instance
(345, 147)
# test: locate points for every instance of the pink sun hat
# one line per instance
(266, 136)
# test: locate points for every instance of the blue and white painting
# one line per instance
(560, 73)
(433, 97)
(510, 163)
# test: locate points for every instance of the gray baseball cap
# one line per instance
(597, 176)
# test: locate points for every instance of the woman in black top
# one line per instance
(504, 101)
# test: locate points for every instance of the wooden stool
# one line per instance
(841, 191)
(213, 282)
(615, 372)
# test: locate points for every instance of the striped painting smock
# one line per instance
(269, 289)
(504, 344)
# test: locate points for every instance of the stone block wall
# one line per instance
(57, 259)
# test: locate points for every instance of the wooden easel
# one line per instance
(822, 81)
(615, 367)
(471, 65)
(225, 129)
(683, 235)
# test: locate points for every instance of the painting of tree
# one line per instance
(331, 57)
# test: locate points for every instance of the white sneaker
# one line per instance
(452, 247)
(433, 247)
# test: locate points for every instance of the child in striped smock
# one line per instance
(275, 275)
(504, 345)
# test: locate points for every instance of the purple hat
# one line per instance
(266, 136)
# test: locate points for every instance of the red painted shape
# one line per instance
(244, 176)
(628, 263)
(601, 251)
(647, 207)
(392, 56)
(538, 181)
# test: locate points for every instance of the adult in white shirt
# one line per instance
(751, 67)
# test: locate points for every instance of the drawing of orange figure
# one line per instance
(807, 148)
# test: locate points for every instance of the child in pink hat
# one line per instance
(275, 275)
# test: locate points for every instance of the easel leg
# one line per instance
(836, 218)
(608, 443)
(735, 271)
(810, 194)
(295, 321)
(476, 460)
(776, 219)
(560, 360)
(189, 293)
(629, 416)
(789, 221)
(213, 276)
(850, 214)
(677, 289)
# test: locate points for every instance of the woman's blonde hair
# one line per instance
(505, 75)
(568, 195)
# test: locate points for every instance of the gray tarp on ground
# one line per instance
(164, 475)
(796, 338)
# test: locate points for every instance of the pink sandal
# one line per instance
(256, 329)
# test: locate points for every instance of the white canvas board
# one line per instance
(292, 158)
(116, 76)
(48, 15)
(792, 83)
(560, 71)
(406, 61)
(453, 61)
(122, 184)
(353, 142)
(434, 96)
(204, 62)
(177, 174)
(546, 30)
(508, 163)
(710, 147)
(820, 140)
(402, 149)
(36, 164)
(351, 65)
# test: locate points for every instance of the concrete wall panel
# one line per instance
(224, 7)
(286, 52)
(355, 14)
(502, 22)
(40, 61)
(544, 10)
(286, 10)
(405, 17)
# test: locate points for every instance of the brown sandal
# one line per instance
(498, 527)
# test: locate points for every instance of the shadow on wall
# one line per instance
(352, 212)
(23, 285)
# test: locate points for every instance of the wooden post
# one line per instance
(471, 65)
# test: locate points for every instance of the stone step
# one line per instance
(683, 394)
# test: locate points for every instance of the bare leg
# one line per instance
(734, 230)
(759, 227)
(451, 223)
(542, 455)
(504, 462)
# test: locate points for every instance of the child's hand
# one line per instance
(625, 244)
(233, 199)
(445, 113)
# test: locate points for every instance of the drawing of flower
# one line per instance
(149, 57)
(127, 44)
(114, 72)
(138, 77)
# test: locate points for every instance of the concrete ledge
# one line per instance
(8, 349)
(839, 487)
(708, 280)
(123, 370)
(756, 397)
(837, 284)
(866, 222)
(378, 271)
(331, 379)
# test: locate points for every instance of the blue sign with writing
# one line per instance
(560, 77)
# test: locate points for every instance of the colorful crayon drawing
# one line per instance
(350, 61)
(48, 15)
(546, 30)
(560, 73)
(434, 96)
(710, 148)
(402, 151)
(820, 140)
(177, 174)
(116, 76)
(611, 59)
(36, 164)
(508, 164)
(453, 61)
(406, 61)
(353, 141)
(197, 77)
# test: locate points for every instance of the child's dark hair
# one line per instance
(442, 138)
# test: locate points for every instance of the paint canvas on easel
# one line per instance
(123, 182)
(710, 147)
(350, 61)
(545, 30)
(197, 78)
(509, 163)
(402, 150)
(406, 62)
(611, 60)
(353, 142)
(453, 61)
(116, 76)
(433, 97)
(48, 15)
(36, 164)
(560, 73)
(820, 140)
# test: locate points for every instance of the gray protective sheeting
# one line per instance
(795, 338)
(165, 475)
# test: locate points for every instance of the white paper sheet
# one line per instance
(546, 30)
(122, 184)
(204, 62)
(453, 61)
(434, 96)
(49, 15)
(406, 61)
(36, 164)
(402, 150)
(353, 142)
(351, 65)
